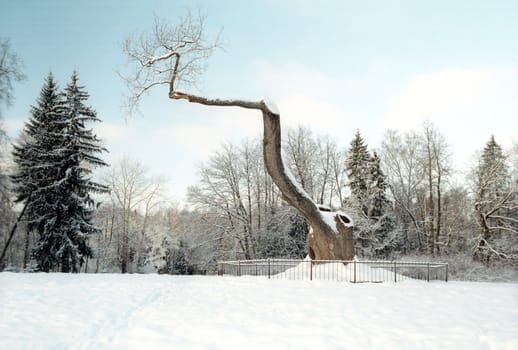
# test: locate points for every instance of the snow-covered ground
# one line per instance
(87, 311)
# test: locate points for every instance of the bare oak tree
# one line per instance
(174, 54)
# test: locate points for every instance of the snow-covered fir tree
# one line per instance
(177, 260)
(377, 188)
(357, 167)
(380, 208)
(496, 200)
(54, 164)
(36, 156)
(368, 200)
(79, 155)
(180, 262)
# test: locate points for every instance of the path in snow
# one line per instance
(58, 311)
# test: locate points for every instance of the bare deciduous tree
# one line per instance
(300, 151)
(155, 56)
(437, 168)
(173, 55)
(10, 71)
(400, 155)
(225, 189)
(132, 191)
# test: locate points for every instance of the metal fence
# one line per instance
(337, 270)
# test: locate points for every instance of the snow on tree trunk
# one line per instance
(331, 236)
(172, 54)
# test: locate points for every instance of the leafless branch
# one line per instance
(10, 71)
(176, 53)
(171, 54)
(500, 254)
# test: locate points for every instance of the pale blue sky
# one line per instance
(334, 66)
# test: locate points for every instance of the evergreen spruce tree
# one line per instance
(180, 264)
(368, 201)
(54, 163)
(377, 188)
(379, 209)
(73, 188)
(357, 168)
(492, 172)
(36, 157)
(495, 206)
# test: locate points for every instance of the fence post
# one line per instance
(268, 268)
(428, 272)
(446, 279)
(354, 271)
(395, 274)
(311, 269)
(239, 268)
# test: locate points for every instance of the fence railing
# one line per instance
(337, 270)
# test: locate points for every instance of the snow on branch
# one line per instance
(171, 54)
(488, 247)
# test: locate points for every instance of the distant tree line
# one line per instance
(235, 212)
(403, 197)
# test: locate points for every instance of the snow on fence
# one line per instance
(338, 270)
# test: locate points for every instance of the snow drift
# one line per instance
(87, 311)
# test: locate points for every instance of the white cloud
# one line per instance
(453, 97)
(304, 95)
(113, 132)
(292, 77)
(237, 123)
(191, 138)
(303, 109)
(467, 105)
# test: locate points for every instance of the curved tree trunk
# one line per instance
(331, 237)
(328, 239)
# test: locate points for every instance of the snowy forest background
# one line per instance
(408, 200)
